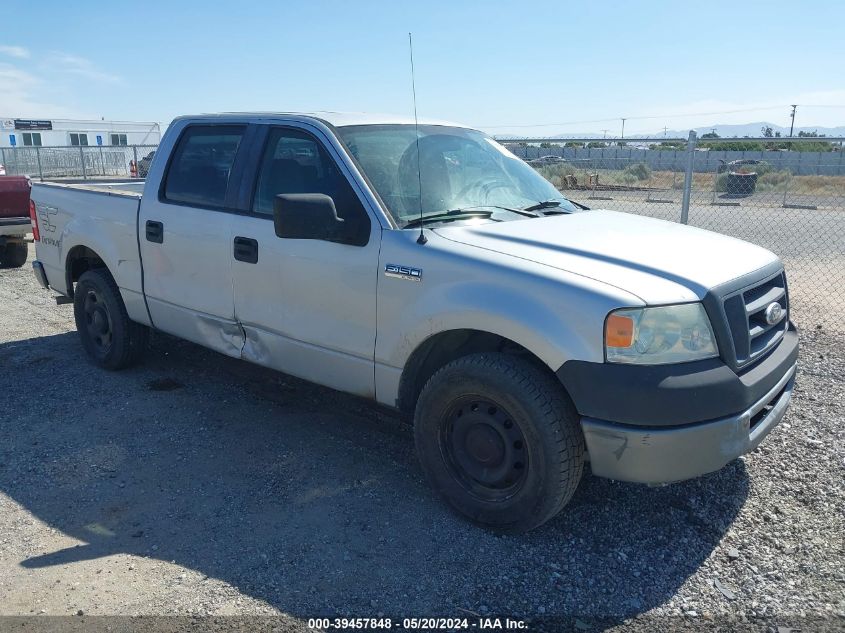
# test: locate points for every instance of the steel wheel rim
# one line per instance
(98, 321)
(484, 448)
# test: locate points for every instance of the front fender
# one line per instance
(555, 315)
(516, 316)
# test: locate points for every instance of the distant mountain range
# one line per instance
(754, 129)
(725, 131)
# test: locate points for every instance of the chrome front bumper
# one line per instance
(666, 454)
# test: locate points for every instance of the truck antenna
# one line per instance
(422, 239)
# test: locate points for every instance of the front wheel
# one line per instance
(111, 339)
(500, 440)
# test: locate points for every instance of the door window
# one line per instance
(201, 165)
(296, 162)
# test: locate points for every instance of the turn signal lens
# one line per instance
(619, 331)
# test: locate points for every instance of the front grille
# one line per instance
(745, 310)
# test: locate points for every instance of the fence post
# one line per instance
(135, 158)
(38, 156)
(2, 156)
(102, 161)
(688, 177)
(786, 187)
(82, 162)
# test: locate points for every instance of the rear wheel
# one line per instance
(109, 337)
(500, 440)
(14, 255)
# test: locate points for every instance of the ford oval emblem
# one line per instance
(774, 313)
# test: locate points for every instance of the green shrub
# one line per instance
(637, 171)
(734, 146)
(669, 146)
(550, 172)
(774, 180)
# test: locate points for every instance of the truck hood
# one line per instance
(658, 261)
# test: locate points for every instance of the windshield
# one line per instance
(458, 169)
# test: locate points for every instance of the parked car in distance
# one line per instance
(741, 163)
(429, 269)
(15, 221)
(547, 160)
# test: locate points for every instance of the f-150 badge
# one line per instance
(403, 272)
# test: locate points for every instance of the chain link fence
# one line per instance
(85, 162)
(785, 194)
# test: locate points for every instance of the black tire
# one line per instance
(500, 440)
(14, 255)
(109, 337)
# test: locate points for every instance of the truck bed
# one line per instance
(132, 187)
(105, 215)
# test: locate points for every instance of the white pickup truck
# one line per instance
(429, 269)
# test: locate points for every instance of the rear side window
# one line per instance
(201, 164)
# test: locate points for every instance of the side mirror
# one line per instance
(307, 216)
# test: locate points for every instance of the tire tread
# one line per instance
(556, 412)
(132, 349)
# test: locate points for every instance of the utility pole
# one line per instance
(792, 115)
(665, 131)
(605, 133)
(623, 127)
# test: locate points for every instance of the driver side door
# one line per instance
(307, 307)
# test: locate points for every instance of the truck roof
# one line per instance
(337, 119)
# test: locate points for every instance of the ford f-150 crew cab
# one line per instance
(429, 269)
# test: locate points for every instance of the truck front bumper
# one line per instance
(665, 423)
(655, 455)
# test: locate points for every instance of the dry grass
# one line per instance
(772, 181)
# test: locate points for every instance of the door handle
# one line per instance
(155, 232)
(246, 250)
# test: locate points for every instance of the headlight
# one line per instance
(661, 335)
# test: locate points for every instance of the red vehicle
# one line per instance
(15, 220)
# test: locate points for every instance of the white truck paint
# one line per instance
(485, 280)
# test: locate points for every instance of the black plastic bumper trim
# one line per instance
(672, 395)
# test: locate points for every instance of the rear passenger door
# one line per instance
(185, 239)
(307, 307)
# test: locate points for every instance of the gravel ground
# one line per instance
(195, 484)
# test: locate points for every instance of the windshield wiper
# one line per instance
(441, 216)
(544, 204)
(526, 212)
(476, 211)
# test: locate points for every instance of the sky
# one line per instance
(519, 67)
